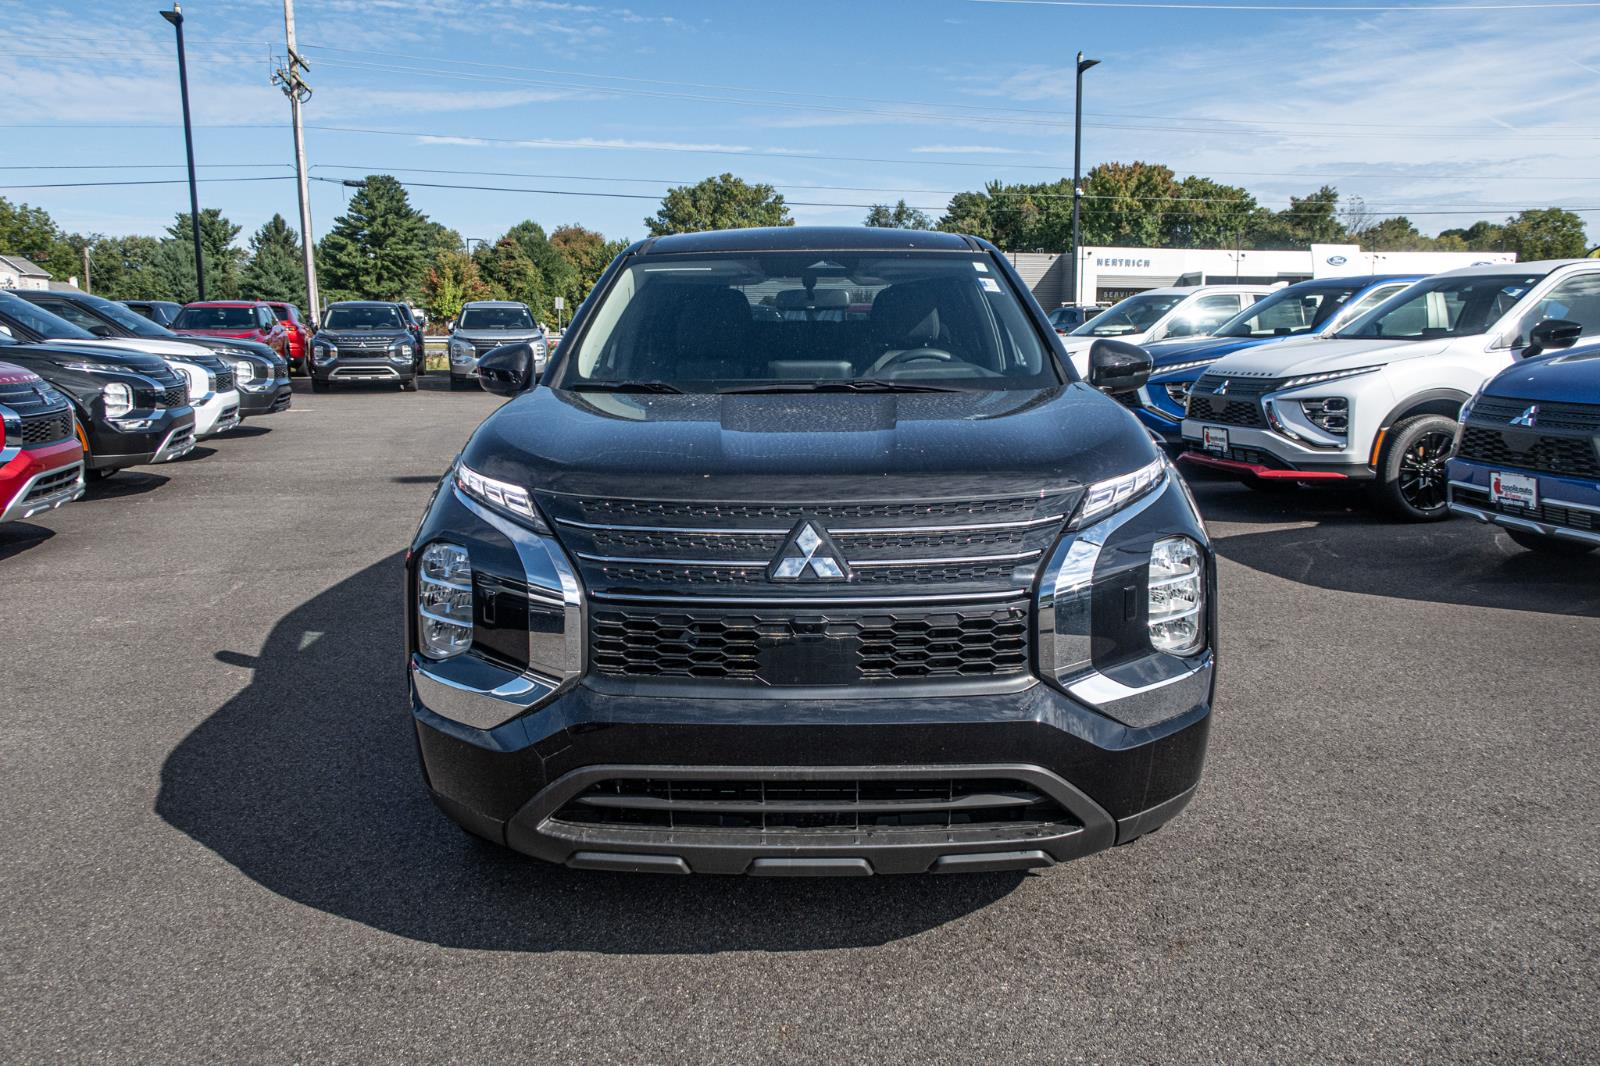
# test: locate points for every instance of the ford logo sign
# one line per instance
(1337, 260)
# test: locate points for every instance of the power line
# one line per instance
(152, 181)
(1139, 5)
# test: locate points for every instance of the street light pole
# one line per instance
(175, 16)
(1077, 172)
(295, 88)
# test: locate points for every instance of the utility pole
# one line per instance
(175, 16)
(295, 88)
(1077, 171)
(87, 286)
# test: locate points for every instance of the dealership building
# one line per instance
(1106, 275)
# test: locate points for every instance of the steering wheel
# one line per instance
(914, 355)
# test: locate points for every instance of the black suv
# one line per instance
(260, 374)
(364, 340)
(132, 409)
(811, 592)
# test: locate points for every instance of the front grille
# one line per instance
(1130, 400)
(42, 429)
(176, 396)
(785, 647)
(779, 809)
(224, 380)
(1225, 410)
(626, 547)
(364, 345)
(1553, 514)
(1498, 411)
(1529, 449)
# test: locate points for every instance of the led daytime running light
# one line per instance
(1312, 379)
(1110, 495)
(501, 495)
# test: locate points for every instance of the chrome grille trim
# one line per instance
(857, 531)
(630, 560)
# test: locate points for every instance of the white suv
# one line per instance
(1377, 401)
(1162, 314)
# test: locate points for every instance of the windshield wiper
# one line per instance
(841, 385)
(624, 386)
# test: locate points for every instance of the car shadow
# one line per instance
(243, 431)
(125, 483)
(1352, 548)
(308, 782)
(18, 537)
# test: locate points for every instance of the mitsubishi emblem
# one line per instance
(1221, 390)
(809, 555)
(1527, 418)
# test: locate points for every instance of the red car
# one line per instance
(41, 459)
(299, 333)
(249, 320)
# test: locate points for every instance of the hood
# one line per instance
(244, 347)
(1313, 355)
(1566, 377)
(149, 345)
(1193, 349)
(84, 352)
(11, 374)
(809, 446)
(241, 333)
(504, 336)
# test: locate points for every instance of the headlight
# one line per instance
(244, 372)
(1176, 596)
(403, 349)
(1330, 414)
(460, 350)
(1179, 367)
(1332, 375)
(444, 601)
(93, 368)
(119, 399)
(324, 350)
(1115, 493)
(509, 499)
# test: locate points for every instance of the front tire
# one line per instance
(102, 473)
(1412, 484)
(1554, 547)
(409, 385)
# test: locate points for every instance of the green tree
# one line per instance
(511, 273)
(723, 202)
(1546, 233)
(1308, 220)
(588, 254)
(378, 249)
(224, 261)
(1483, 236)
(1394, 234)
(130, 268)
(276, 270)
(968, 212)
(900, 216)
(31, 233)
(1124, 204)
(1202, 213)
(452, 281)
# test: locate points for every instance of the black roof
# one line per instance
(365, 303)
(808, 238)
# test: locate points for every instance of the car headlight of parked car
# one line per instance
(1330, 413)
(1176, 596)
(460, 352)
(244, 372)
(401, 351)
(118, 399)
(1115, 493)
(510, 500)
(324, 352)
(444, 601)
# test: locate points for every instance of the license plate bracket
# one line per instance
(1214, 440)
(1516, 490)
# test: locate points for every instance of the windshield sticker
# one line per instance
(982, 268)
(988, 285)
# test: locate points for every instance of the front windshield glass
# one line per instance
(1288, 312)
(1136, 314)
(40, 321)
(496, 318)
(1447, 306)
(216, 318)
(377, 316)
(131, 321)
(800, 321)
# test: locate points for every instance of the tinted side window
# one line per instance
(1577, 299)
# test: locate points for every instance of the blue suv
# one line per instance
(1310, 308)
(1526, 455)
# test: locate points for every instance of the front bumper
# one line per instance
(1568, 508)
(268, 400)
(160, 436)
(35, 480)
(217, 413)
(363, 368)
(1113, 754)
(1260, 453)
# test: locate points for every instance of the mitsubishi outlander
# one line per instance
(810, 554)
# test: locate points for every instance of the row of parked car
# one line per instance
(1446, 394)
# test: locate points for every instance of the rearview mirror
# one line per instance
(507, 370)
(1552, 334)
(1117, 366)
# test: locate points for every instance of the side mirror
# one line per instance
(101, 331)
(1552, 334)
(450, 325)
(507, 370)
(1117, 366)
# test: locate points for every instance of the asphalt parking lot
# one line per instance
(217, 844)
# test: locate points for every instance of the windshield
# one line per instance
(40, 321)
(1459, 306)
(1287, 312)
(809, 320)
(496, 318)
(216, 318)
(131, 321)
(1136, 314)
(377, 316)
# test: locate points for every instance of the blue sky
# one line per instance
(839, 103)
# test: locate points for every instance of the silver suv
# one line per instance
(487, 324)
